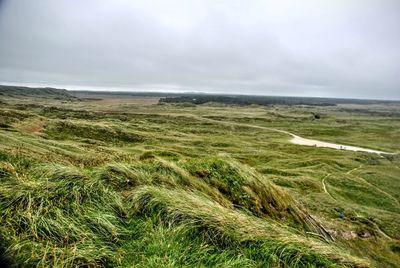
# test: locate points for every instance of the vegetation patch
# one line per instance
(61, 218)
(225, 178)
(64, 130)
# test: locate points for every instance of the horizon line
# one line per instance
(100, 89)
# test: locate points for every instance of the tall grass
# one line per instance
(62, 216)
(130, 186)
(56, 216)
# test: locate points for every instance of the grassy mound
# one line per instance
(234, 228)
(61, 216)
(64, 130)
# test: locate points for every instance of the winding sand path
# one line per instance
(300, 140)
(309, 142)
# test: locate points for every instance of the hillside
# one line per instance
(120, 182)
(16, 91)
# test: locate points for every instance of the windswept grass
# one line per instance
(130, 185)
(227, 226)
(61, 216)
(56, 216)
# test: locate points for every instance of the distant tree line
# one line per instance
(246, 100)
(264, 100)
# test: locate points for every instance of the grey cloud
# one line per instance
(341, 48)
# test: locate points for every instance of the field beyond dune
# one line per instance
(128, 181)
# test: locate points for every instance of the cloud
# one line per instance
(341, 48)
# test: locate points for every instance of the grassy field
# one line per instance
(132, 182)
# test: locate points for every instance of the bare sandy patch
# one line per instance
(34, 126)
(309, 142)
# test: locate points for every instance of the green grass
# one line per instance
(124, 183)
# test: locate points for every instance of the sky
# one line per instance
(324, 48)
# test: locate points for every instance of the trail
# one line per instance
(364, 181)
(354, 169)
(376, 227)
(295, 138)
(300, 140)
(370, 184)
(379, 190)
(324, 186)
(309, 142)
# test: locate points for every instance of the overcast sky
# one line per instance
(333, 48)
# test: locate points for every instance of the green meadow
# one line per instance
(134, 182)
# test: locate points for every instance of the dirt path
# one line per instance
(324, 186)
(379, 190)
(354, 169)
(309, 142)
(302, 141)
